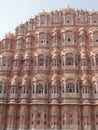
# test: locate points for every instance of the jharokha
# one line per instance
(49, 72)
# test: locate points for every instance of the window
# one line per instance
(46, 62)
(69, 61)
(45, 115)
(39, 115)
(25, 89)
(96, 60)
(38, 122)
(84, 62)
(69, 40)
(27, 63)
(95, 90)
(41, 62)
(33, 89)
(4, 89)
(46, 88)
(94, 20)
(54, 63)
(68, 19)
(77, 87)
(55, 39)
(19, 44)
(42, 38)
(13, 89)
(96, 115)
(39, 88)
(92, 60)
(0, 89)
(70, 87)
(54, 89)
(63, 89)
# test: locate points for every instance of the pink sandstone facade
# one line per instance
(49, 73)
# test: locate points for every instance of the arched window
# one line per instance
(42, 38)
(41, 62)
(39, 88)
(42, 20)
(19, 44)
(69, 61)
(68, 19)
(69, 37)
(70, 87)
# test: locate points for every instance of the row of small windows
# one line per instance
(65, 61)
(67, 38)
(45, 41)
(67, 19)
(70, 87)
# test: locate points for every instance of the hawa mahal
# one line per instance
(49, 72)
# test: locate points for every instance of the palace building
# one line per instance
(49, 72)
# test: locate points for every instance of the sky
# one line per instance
(15, 12)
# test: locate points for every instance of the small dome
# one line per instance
(29, 35)
(82, 31)
(30, 20)
(9, 36)
(19, 37)
(54, 80)
(85, 81)
(27, 55)
(83, 54)
(55, 53)
(68, 9)
(25, 80)
(14, 80)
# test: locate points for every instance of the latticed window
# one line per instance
(46, 88)
(19, 44)
(42, 38)
(55, 39)
(95, 88)
(69, 61)
(63, 89)
(96, 60)
(54, 63)
(13, 89)
(41, 62)
(70, 87)
(0, 89)
(39, 88)
(54, 89)
(33, 89)
(85, 89)
(24, 89)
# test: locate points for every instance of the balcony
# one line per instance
(41, 68)
(69, 67)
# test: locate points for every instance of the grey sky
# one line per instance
(14, 12)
